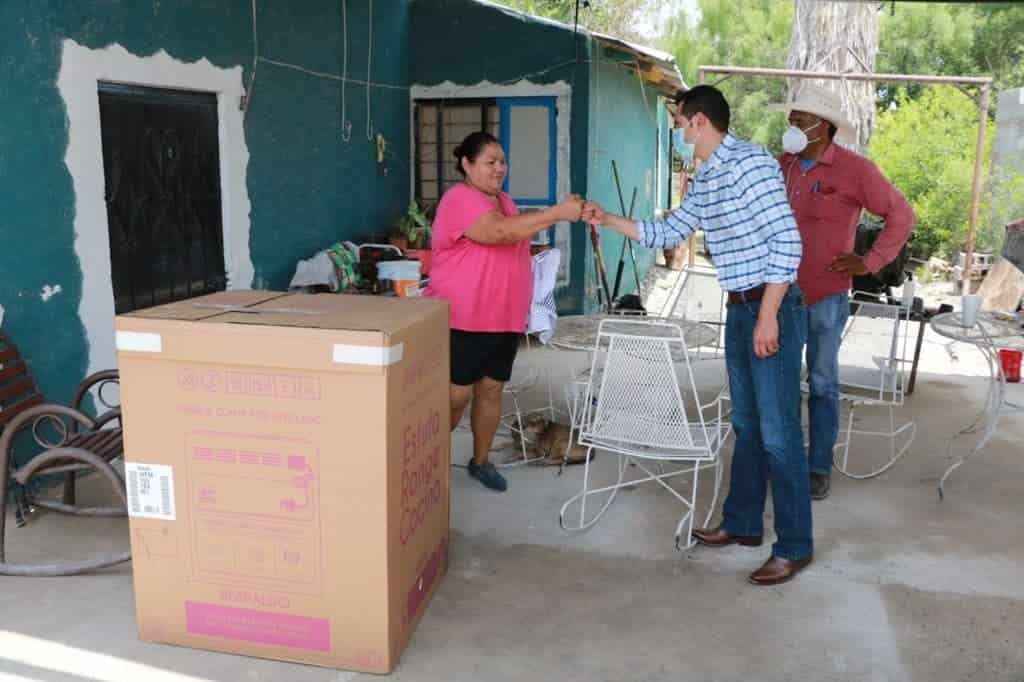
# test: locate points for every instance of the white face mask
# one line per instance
(794, 140)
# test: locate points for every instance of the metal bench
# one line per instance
(72, 443)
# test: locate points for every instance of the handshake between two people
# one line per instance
(574, 208)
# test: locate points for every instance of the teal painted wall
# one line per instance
(624, 123)
(464, 42)
(307, 187)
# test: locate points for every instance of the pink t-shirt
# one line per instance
(487, 286)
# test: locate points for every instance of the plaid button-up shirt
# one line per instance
(738, 198)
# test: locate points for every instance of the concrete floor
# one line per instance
(904, 587)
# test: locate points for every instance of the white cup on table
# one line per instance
(970, 306)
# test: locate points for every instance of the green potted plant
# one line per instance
(415, 225)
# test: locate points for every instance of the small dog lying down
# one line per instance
(547, 441)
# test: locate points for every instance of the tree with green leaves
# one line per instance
(734, 33)
(925, 146)
(949, 40)
(952, 40)
(615, 17)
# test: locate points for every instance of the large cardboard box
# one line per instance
(287, 468)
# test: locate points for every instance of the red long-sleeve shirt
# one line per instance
(827, 202)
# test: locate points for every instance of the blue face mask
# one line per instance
(682, 147)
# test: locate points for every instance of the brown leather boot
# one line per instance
(719, 537)
(776, 571)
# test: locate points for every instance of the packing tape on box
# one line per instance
(372, 356)
(231, 308)
(139, 342)
(343, 353)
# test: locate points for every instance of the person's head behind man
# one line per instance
(816, 119)
(703, 114)
(808, 122)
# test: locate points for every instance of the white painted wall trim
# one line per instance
(81, 70)
(524, 88)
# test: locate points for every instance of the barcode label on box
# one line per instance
(150, 490)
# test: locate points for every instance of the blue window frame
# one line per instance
(508, 142)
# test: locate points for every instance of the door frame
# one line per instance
(81, 71)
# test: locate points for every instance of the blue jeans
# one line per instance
(826, 320)
(769, 438)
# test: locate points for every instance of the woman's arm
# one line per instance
(495, 228)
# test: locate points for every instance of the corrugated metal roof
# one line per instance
(658, 67)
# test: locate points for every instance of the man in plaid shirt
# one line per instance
(738, 198)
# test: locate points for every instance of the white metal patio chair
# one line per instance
(638, 404)
(873, 356)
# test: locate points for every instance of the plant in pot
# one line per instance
(405, 227)
(416, 225)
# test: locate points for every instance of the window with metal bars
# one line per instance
(161, 169)
(440, 125)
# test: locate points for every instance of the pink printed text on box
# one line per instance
(258, 384)
(265, 533)
(260, 627)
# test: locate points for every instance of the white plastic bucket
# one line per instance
(399, 270)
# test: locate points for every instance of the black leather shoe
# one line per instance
(821, 485)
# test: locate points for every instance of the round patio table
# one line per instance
(989, 334)
(579, 332)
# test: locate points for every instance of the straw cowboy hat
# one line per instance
(825, 104)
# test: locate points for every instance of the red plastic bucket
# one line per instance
(1010, 359)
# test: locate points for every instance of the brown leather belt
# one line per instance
(748, 296)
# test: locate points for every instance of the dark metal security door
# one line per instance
(162, 171)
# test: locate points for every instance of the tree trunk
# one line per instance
(839, 37)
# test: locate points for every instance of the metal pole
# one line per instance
(852, 76)
(979, 154)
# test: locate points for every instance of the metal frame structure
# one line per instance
(882, 386)
(983, 83)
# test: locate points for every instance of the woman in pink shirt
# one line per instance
(481, 266)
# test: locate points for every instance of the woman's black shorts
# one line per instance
(475, 355)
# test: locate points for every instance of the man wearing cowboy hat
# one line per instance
(828, 186)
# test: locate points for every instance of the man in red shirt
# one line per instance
(828, 186)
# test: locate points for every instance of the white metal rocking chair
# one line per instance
(635, 405)
(873, 357)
